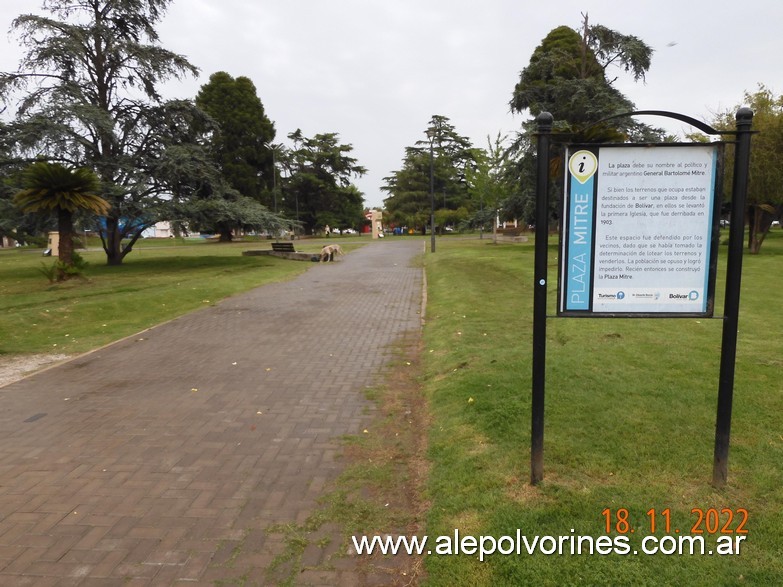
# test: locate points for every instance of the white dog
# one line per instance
(329, 251)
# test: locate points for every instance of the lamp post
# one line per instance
(431, 136)
(271, 147)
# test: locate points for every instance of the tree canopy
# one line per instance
(240, 145)
(318, 190)
(86, 95)
(54, 188)
(448, 154)
(764, 202)
(567, 77)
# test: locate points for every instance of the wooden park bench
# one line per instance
(283, 247)
(284, 250)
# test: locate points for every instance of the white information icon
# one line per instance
(582, 165)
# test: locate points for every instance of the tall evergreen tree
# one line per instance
(87, 91)
(567, 77)
(449, 155)
(241, 144)
(318, 190)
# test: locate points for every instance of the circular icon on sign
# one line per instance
(582, 165)
(620, 295)
(694, 295)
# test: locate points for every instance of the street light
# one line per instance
(271, 147)
(431, 135)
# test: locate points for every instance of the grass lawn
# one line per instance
(159, 280)
(629, 427)
(630, 405)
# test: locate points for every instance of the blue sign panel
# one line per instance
(582, 166)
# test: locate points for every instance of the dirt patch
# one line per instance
(402, 424)
(15, 367)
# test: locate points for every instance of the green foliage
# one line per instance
(61, 271)
(49, 271)
(446, 154)
(566, 77)
(489, 181)
(765, 192)
(86, 95)
(627, 51)
(52, 187)
(318, 189)
(239, 146)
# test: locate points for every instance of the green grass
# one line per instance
(630, 405)
(155, 283)
(630, 415)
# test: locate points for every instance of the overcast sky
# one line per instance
(375, 72)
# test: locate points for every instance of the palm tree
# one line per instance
(51, 187)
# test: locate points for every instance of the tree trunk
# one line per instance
(759, 223)
(112, 241)
(65, 249)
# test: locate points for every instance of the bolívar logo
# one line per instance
(693, 296)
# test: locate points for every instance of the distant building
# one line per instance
(159, 230)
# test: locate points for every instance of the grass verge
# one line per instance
(630, 413)
(156, 282)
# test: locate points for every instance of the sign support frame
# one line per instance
(743, 133)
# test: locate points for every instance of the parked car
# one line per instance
(349, 231)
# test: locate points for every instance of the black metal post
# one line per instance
(432, 199)
(728, 355)
(544, 122)
(274, 180)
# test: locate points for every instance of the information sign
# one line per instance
(640, 229)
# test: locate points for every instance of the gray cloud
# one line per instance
(375, 72)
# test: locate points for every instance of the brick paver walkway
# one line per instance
(152, 461)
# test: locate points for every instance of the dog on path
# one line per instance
(328, 253)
